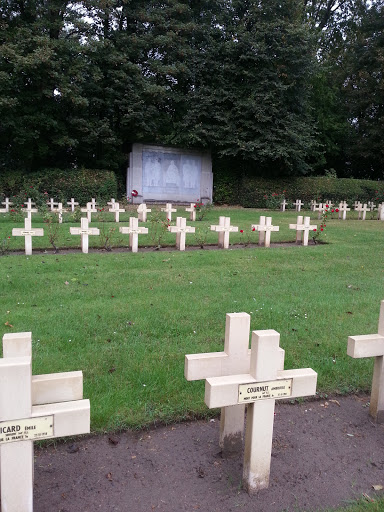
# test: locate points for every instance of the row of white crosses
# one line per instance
(32, 407)
(224, 228)
(238, 377)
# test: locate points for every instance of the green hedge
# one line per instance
(253, 192)
(82, 184)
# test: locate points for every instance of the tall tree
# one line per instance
(364, 95)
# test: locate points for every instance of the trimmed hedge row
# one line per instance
(254, 192)
(82, 184)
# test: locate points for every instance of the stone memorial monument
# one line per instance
(167, 174)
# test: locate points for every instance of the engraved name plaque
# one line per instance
(30, 429)
(264, 390)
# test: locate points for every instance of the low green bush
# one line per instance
(255, 192)
(82, 184)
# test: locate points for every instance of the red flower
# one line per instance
(325, 225)
(135, 193)
(337, 210)
(241, 231)
(195, 205)
(332, 211)
(321, 229)
(326, 206)
(315, 229)
(254, 229)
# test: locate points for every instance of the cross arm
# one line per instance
(57, 387)
(367, 345)
(176, 229)
(217, 364)
(70, 418)
(223, 391)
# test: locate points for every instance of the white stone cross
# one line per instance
(89, 210)
(235, 359)
(259, 388)
(328, 204)
(112, 202)
(84, 230)
(116, 210)
(29, 203)
(7, 204)
(28, 233)
(142, 211)
(372, 345)
(29, 210)
(52, 203)
(224, 228)
(283, 205)
(356, 204)
(313, 205)
(298, 204)
(93, 202)
(192, 212)
(181, 229)
(301, 227)
(72, 203)
(371, 205)
(380, 211)
(168, 210)
(134, 231)
(265, 228)
(361, 209)
(343, 209)
(321, 208)
(59, 210)
(32, 408)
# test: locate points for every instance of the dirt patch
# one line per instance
(324, 454)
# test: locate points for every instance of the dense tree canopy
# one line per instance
(284, 88)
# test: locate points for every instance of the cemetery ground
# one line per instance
(127, 320)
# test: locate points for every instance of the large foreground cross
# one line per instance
(372, 345)
(259, 388)
(32, 408)
(234, 359)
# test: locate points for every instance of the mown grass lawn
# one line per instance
(127, 320)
